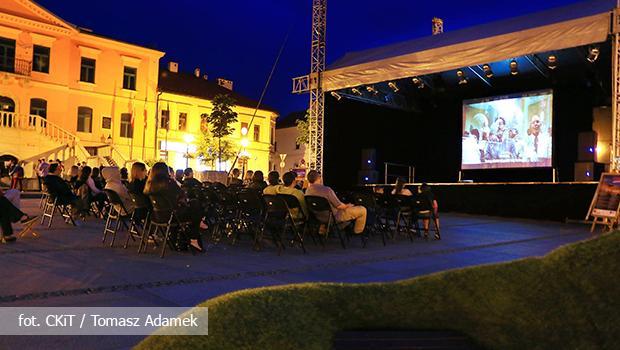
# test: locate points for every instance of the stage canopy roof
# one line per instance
(556, 29)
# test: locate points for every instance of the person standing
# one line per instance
(42, 170)
(16, 173)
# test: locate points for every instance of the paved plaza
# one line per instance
(68, 266)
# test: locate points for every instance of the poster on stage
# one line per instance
(508, 131)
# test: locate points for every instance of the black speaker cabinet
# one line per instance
(367, 177)
(369, 159)
(588, 171)
(586, 146)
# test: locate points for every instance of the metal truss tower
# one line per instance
(312, 83)
(615, 98)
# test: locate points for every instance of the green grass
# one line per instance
(569, 299)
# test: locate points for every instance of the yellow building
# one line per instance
(68, 93)
(184, 98)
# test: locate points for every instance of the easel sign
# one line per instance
(605, 206)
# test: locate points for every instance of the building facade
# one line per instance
(70, 94)
(286, 145)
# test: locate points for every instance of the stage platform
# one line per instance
(556, 201)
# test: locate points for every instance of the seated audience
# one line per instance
(248, 177)
(124, 176)
(58, 188)
(288, 187)
(258, 181)
(73, 175)
(98, 181)
(136, 189)
(399, 188)
(189, 181)
(10, 214)
(429, 204)
(178, 175)
(273, 180)
(112, 177)
(342, 212)
(233, 179)
(169, 196)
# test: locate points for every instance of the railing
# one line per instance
(10, 120)
(23, 67)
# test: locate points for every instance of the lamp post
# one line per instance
(189, 138)
(244, 153)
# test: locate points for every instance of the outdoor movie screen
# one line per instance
(508, 131)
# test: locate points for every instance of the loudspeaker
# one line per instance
(588, 171)
(367, 177)
(369, 159)
(586, 146)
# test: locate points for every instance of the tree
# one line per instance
(210, 150)
(220, 120)
(303, 129)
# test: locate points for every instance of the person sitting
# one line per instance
(74, 172)
(86, 191)
(248, 177)
(399, 188)
(124, 176)
(136, 189)
(169, 196)
(233, 179)
(10, 214)
(429, 209)
(58, 188)
(97, 180)
(258, 181)
(188, 180)
(112, 177)
(273, 180)
(289, 188)
(178, 175)
(342, 212)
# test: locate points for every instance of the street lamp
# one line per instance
(189, 138)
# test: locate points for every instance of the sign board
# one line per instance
(606, 201)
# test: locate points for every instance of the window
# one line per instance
(38, 107)
(164, 122)
(256, 133)
(85, 119)
(244, 125)
(41, 59)
(204, 124)
(272, 135)
(182, 121)
(7, 55)
(106, 123)
(129, 78)
(296, 145)
(87, 70)
(126, 125)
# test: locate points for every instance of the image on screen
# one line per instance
(508, 131)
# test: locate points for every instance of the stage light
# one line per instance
(552, 62)
(366, 178)
(336, 95)
(593, 53)
(462, 77)
(514, 67)
(588, 173)
(418, 82)
(356, 91)
(591, 149)
(369, 161)
(487, 71)
(393, 86)
(372, 89)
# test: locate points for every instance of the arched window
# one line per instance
(85, 119)
(38, 106)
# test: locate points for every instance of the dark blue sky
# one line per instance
(239, 39)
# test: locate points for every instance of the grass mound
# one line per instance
(567, 299)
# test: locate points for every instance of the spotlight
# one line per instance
(371, 89)
(393, 86)
(487, 71)
(514, 67)
(356, 91)
(418, 82)
(552, 62)
(593, 53)
(336, 95)
(462, 77)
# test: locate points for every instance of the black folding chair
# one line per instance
(53, 205)
(296, 212)
(322, 215)
(139, 218)
(405, 216)
(163, 222)
(116, 217)
(373, 221)
(278, 221)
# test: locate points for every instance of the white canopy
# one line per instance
(478, 45)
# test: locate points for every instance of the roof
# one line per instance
(187, 84)
(290, 120)
(570, 26)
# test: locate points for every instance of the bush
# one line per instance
(568, 299)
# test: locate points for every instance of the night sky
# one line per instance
(240, 39)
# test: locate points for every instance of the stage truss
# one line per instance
(312, 84)
(615, 102)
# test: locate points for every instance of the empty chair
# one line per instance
(279, 222)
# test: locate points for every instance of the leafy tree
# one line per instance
(303, 130)
(220, 120)
(210, 150)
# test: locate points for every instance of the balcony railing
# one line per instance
(10, 120)
(20, 67)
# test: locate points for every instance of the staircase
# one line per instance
(110, 161)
